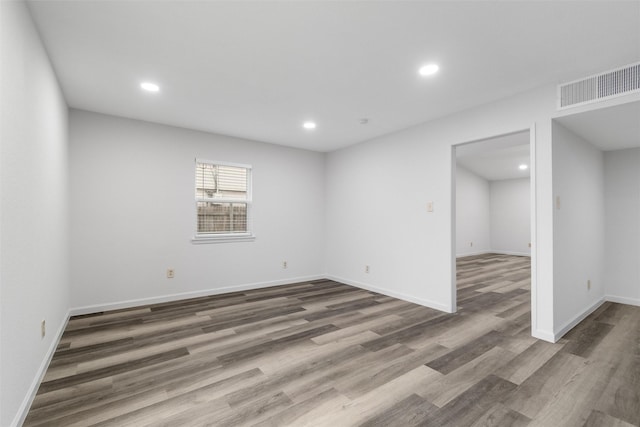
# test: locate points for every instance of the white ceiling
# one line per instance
(259, 69)
(613, 128)
(496, 158)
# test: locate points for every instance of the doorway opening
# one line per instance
(493, 227)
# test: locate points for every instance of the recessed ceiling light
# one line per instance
(150, 87)
(309, 125)
(523, 167)
(428, 70)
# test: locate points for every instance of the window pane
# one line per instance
(219, 181)
(222, 217)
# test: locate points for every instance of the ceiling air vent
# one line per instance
(620, 81)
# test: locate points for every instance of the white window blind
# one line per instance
(223, 200)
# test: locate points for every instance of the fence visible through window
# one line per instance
(223, 198)
(222, 217)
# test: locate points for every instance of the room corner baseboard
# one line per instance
(579, 318)
(491, 251)
(472, 253)
(510, 253)
(96, 308)
(623, 300)
(404, 297)
(21, 415)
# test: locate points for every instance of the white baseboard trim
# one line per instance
(623, 300)
(21, 415)
(579, 318)
(472, 254)
(543, 335)
(96, 308)
(493, 252)
(511, 253)
(404, 297)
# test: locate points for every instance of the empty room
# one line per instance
(319, 213)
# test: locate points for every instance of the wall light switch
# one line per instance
(429, 206)
(557, 202)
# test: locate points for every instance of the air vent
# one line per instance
(620, 81)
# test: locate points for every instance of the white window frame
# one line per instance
(199, 238)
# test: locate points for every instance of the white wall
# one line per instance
(578, 180)
(410, 250)
(473, 209)
(511, 216)
(622, 225)
(132, 213)
(494, 215)
(34, 260)
(377, 194)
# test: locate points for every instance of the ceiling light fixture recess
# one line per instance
(428, 70)
(150, 87)
(309, 125)
(523, 167)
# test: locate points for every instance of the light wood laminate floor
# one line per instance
(327, 354)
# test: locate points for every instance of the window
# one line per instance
(223, 201)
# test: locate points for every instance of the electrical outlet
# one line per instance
(170, 273)
(284, 265)
(588, 285)
(366, 269)
(43, 328)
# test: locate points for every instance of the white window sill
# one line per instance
(224, 238)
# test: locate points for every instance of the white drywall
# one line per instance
(578, 182)
(377, 194)
(133, 215)
(494, 215)
(472, 213)
(34, 262)
(622, 225)
(511, 216)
